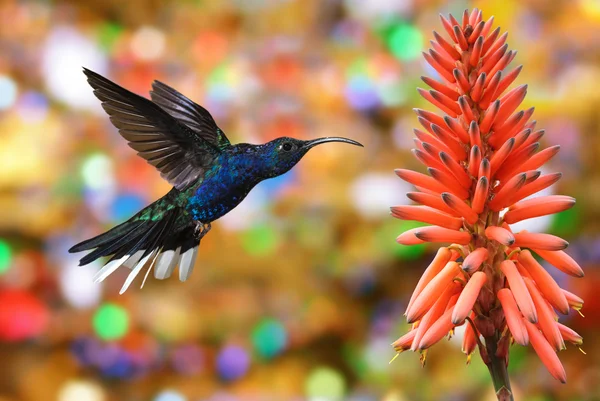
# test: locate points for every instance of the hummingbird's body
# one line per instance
(210, 177)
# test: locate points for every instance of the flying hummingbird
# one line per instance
(210, 177)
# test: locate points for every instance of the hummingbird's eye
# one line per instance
(287, 146)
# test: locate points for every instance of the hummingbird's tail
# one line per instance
(161, 236)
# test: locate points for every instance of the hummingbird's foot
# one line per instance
(201, 230)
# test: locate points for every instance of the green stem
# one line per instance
(498, 371)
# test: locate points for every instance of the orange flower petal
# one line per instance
(574, 301)
(542, 182)
(502, 198)
(546, 242)
(515, 161)
(501, 155)
(444, 73)
(490, 61)
(449, 140)
(449, 182)
(434, 141)
(490, 40)
(488, 117)
(426, 214)
(404, 342)
(437, 331)
(433, 201)
(500, 235)
(533, 138)
(409, 238)
(514, 318)
(474, 160)
(561, 260)
(477, 90)
(421, 180)
(446, 90)
(431, 292)
(442, 257)
(546, 320)
(456, 127)
(536, 207)
(466, 109)
(490, 50)
(457, 170)
(474, 260)
(545, 352)
(468, 296)
(453, 202)
(431, 117)
(508, 79)
(540, 158)
(438, 308)
(426, 158)
(469, 341)
(481, 195)
(461, 81)
(435, 100)
(570, 335)
(510, 102)
(440, 234)
(452, 52)
(484, 169)
(474, 134)
(546, 284)
(490, 90)
(519, 290)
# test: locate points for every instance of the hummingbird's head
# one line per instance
(283, 153)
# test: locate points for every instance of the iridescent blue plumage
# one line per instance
(210, 177)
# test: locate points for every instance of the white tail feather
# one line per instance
(129, 263)
(109, 268)
(165, 263)
(137, 269)
(186, 264)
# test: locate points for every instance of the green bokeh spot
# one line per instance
(325, 383)
(566, 224)
(386, 236)
(260, 240)
(108, 35)
(5, 256)
(269, 338)
(518, 356)
(405, 41)
(111, 321)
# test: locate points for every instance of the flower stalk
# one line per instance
(483, 157)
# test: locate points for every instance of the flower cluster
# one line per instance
(483, 158)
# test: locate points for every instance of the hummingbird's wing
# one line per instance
(191, 114)
(179, 153)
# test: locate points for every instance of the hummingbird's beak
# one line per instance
(315, 142)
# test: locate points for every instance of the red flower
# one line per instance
(482, 155)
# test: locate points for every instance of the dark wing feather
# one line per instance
(177, 151)
(191, 114)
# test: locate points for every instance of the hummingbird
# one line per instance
(209, 175)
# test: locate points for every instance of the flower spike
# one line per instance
(483, 159)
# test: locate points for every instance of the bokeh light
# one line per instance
(148, 43)
(8, 92)
(22, 315)
(324, 383)
(5, 256)
(111, 321)
(232, 362)
(405, 41)
(78, 390)
(269, 338)
(170, 395)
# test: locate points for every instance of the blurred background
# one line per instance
(298, 293)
